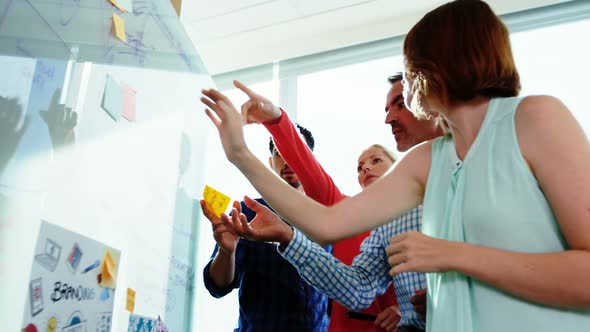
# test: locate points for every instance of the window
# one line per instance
(345, 110)
(554, 61)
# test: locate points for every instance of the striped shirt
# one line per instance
(357, 285)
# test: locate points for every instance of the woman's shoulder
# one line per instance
(539, 107)
(538, 113)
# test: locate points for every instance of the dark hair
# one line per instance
(306, 134)
(462, 50)
(396, 77)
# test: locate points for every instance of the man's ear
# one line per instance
(270, 162)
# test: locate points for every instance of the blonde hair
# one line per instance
(385, 150)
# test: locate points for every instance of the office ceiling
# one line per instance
(235, 34)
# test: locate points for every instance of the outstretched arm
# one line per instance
(355, 286)
(558, 154)
(399, 191)
(318, 185)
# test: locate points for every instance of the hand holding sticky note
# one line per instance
(215, 200)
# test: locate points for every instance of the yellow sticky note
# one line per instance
(130, 300)
(52, 324)
(119, 7)
(108, 269)
(216, 201)
(119, 26)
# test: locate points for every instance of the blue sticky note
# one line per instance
(112, 99)
(104, 295)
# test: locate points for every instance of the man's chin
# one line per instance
(293, 182)
(402, 145)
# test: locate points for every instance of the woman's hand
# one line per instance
(228, 122)
(415, 252)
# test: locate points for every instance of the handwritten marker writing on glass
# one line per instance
(216, 201)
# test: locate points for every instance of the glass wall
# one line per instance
(100, 162)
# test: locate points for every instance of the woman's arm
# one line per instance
(557, 279)
(399, 191)
(558, 154)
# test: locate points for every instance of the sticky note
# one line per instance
(129, 102)
(215, 200)
(104, 295)
(112, 98)
(119, 26)
(130, 300)
(52, 324)
(121, 7)
(108, 269)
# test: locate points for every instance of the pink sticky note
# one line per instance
(129, 102)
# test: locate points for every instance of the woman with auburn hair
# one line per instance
(506, 214)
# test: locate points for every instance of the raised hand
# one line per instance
(223, 233)
(416, 252)
(388, 318)
(60, 120)
(228, 122)
(11, 130)
(266, 226)
(258, 109)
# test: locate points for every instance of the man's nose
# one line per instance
(389, 117)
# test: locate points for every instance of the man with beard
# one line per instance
(272, 295)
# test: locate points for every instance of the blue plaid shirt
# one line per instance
(357, 285)
(273, 297)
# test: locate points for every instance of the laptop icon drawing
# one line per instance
(50, 257)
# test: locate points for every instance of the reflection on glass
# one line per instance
(127, 180)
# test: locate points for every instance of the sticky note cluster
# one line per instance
(216, 201)
(119, 99)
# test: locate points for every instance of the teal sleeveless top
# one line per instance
(492, 199)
